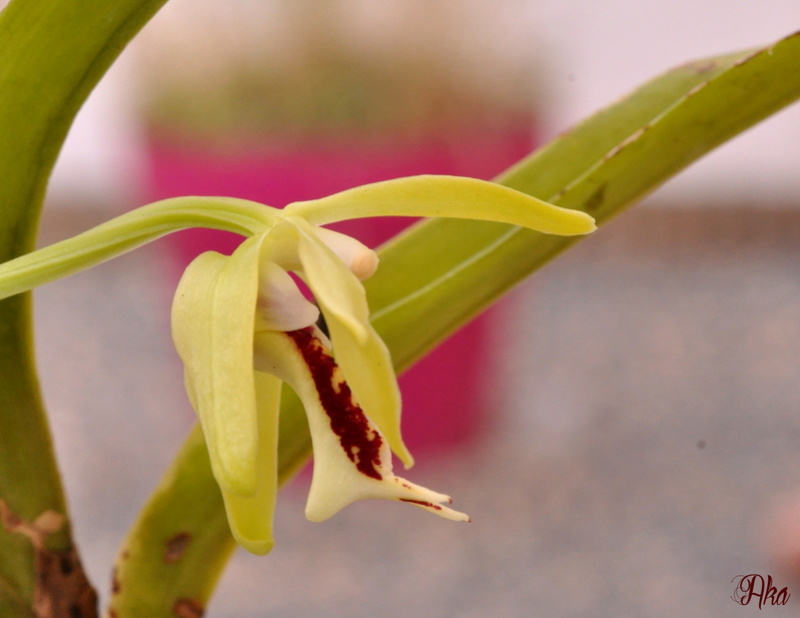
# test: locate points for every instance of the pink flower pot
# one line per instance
(442, 400)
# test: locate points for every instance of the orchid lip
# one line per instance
(352, 461)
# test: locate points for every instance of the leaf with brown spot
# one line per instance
(61, 588)
(441, 272)
(595, 200)
(176, 547)
(188, 608)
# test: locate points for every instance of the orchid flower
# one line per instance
(242, 327)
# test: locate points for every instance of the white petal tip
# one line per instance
(281, 305)
(360, 259)
(431, 501)
(318, 510)
(364, 264)
(315, 517)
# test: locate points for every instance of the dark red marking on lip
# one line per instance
(360, 442)
(430, 505)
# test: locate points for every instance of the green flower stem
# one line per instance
(53, 53)
(127, 232)
(438, 274)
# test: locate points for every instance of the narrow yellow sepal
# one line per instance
(445, 196)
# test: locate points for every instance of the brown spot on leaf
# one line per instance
(115, 585)
(176, 547)
(62, 594)
(62, 589)
(187, 608)
(596, 199)
(66, 566)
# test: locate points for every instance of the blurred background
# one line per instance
(629, 442)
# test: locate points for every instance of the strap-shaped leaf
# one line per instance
(53, 53)
(601, 166)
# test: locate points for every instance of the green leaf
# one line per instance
(53, 52)
(441, 272)
(426, 287)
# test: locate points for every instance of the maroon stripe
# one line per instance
(360, 442)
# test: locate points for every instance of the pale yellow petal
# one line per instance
(212, 326)
(336, 289)
(359, 351)
(251, 516)
(367, 366)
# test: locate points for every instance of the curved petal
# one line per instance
(213, 316)
(336, 289)
(359, 351)
(352, 460)
(250, 516)
(367, 366)
(444, 196)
